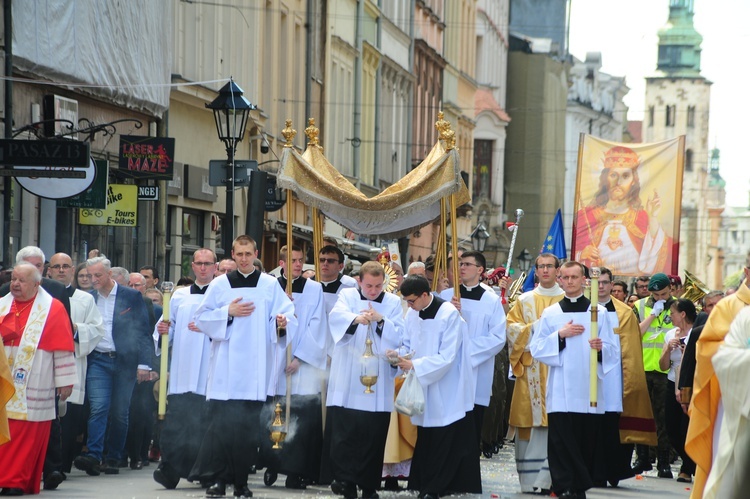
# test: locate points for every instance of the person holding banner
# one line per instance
(563, 343)
(615, 229)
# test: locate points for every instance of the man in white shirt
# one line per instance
(88, 329)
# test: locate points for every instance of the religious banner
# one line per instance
(628, 199)
(146, 157)
(121, 210)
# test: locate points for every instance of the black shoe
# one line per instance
(642, 465)
(136, 465)
(346, 489)
(253, 470)
(570, 494)
(664, 470)
(369, 494)
(110, 468)
(166, 476)
(52, 480)
(293, 482)
(242, 491)
(88, 464)
(614, 483)
(11, 492)
(122, 463)
(427, 495)
(486, 450)
(269, 477)
(219, 489)
(391, 483)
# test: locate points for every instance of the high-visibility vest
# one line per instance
(653, 338)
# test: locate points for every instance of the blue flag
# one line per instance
(554, 243)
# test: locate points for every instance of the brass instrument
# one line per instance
(694, 289)
(516, 289)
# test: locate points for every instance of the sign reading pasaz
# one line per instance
(147, 157)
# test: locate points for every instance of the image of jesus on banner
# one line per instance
(619, 221)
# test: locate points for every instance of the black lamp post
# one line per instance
(231, 111)
(524, 260)
(479, 237)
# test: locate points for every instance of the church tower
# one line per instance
(677, 103)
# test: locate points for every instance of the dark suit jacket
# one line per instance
(54, 288)
(130, 328)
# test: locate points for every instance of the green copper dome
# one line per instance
(679, 42)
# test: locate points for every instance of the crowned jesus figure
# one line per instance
(615, 230)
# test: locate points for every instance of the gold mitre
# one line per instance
(621, 157)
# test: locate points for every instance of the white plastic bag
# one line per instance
(410, 399)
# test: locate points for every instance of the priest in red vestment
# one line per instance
(38, 343)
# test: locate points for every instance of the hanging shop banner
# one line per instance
(121, 210)
(95, 196)
(628, 201)
(146, 157)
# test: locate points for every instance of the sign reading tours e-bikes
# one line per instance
(121, 210)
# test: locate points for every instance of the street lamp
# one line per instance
(479, 237)
(524, 260)
(231, 111)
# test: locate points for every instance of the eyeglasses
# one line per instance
(328, 260)
(203, 264)
(604, 283)
(64, 266)
(467, 264)
(411, 301)
(542, 266)
(641, 286)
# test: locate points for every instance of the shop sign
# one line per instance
(275, 198)
(121, 210)
(94, 196)
(146, 157)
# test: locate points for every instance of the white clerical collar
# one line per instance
(552, 291)
(573, 300)
(469, 288)
(201, 286)
(246, 275)
(604, 303)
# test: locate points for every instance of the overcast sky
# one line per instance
(626, 35)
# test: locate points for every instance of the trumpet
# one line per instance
(516, 289)
(694, 289)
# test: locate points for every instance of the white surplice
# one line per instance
(483, 311)
(612, 383)
(344, 387)
(85, 315)
(188, 367)
(568, 377)
(242, 348)
(442, 363)
(310, 337)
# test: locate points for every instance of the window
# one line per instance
(691, 116)
(689, 160)
(482, 168)
(651, 116)
(671, 112)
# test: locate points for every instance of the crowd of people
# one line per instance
(318, 361)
